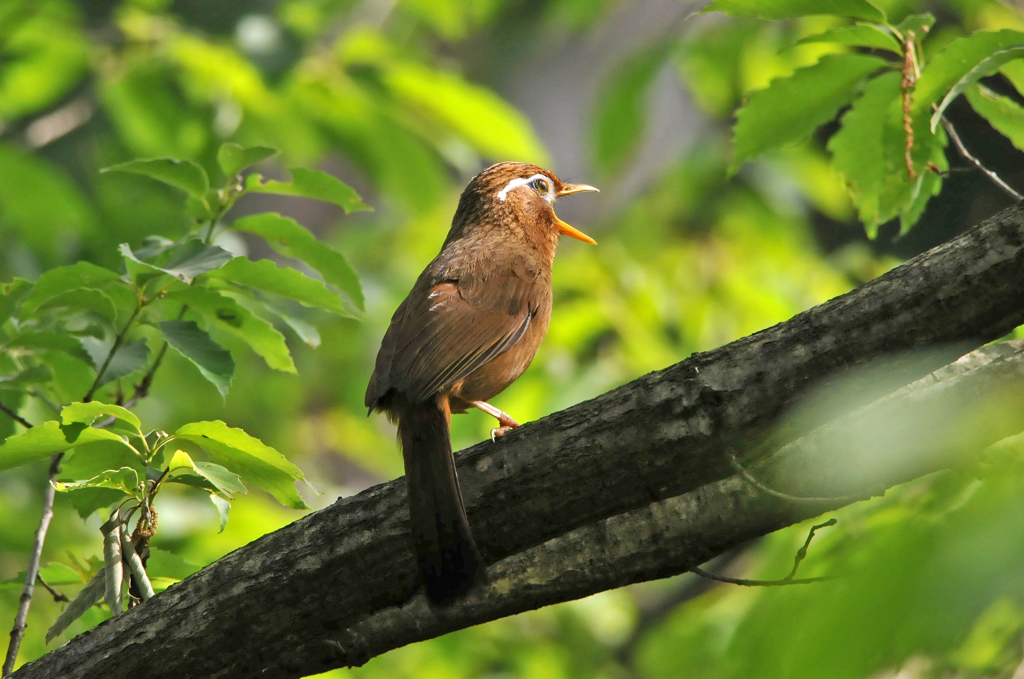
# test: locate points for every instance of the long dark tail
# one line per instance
(449, 561)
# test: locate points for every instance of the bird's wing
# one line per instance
(444, 332)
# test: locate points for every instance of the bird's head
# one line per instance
(516, 196)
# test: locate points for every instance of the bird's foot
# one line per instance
(501, 431)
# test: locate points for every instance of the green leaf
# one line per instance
(956, 62)
(65, 278)
(858, 148)
(51, 341)
(47, 439)
(11, 295)
(186, 261)
(310, 184)
(129, 357)
(790, 109)
(92, 459)
(87, 501)
(1002, 113)
(920, 24)
(169, 565)
(222, 506)
(255, 462)
(219, 479)
(183, 174)
(36, 374)
(124, 479)
(233, 158)
(87, 413)
(622, 108)
(59, 574)
(267, 276)
(83, 299)
(987, 66)
(192, 342)
(861, 35)
(228, 316)
(294, 240)
(788, 9)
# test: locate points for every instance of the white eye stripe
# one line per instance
(516, 183)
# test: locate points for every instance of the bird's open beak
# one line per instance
(568, 190)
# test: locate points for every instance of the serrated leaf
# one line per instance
(219, 479)
(987, 66)
(88, 413)
(90, 595)
(46, 439)
(788, 9)
(186, 261)
(956, 62)
(223, 506)
(124, 479)
(264, 308)
(1002, 113)
(267, 276)
(92, 459)
(860, 35)
(228, 316)
(65, 278)
(621, 113)
(311, 184)
(129, 357)
(293, 240)
(233, 158)
(183, 174)
(255, 462)
(857, 149)
(790, 109)
(194, 343)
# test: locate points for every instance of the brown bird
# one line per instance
(470, 326)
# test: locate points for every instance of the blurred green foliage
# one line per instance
(406, 100)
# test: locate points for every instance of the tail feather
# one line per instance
(448, 558)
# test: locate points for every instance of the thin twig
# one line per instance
(790, 579)
(110, 356)
(786, 496)
(57, 596)
(18, 631)
(15, 416)
(951, 131)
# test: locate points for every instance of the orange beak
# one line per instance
(567, 190)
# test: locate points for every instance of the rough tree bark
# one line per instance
(636, 484)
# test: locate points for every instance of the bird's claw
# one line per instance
(499, 431)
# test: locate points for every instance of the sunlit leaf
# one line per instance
(267, 276)
(194, 343)
(861, 35)
(88, 413)
(310, 184)
(125, 479)
(65, 278)
(183, 174)
(987, 66)
(1002, 113)
(790, 109)
(46, 439)
(257, 463)
(788, 9)
(226, 315)
(920, 24)
(963, 59)
(293, 240)
(233, 158)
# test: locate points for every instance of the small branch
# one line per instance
(113, 350)
(907, 85)
(142, 388)
(996, 179)
(742, 471)
(57, 596)
(18, 631)
(15, 416)
(790, 579)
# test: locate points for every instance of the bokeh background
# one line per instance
(406, 100)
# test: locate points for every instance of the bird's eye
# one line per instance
(541, 186)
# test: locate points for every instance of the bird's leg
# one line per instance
(504, 419)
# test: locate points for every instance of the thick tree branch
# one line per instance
(564, 506)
